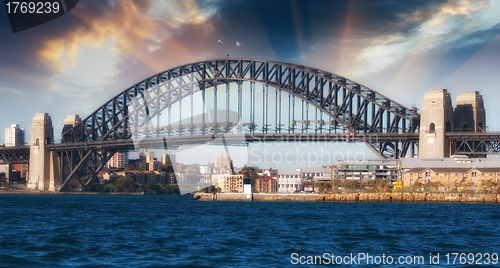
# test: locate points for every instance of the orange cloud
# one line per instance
(136, 28)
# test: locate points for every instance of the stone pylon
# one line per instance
(435, 120)
(42, 134)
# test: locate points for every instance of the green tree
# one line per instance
(109, 187)
(130, 167)
(489, 186)
(96, 187)
(352, 185)
(322, 186)
(125, 184)
(170, 189)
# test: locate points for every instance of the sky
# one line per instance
(77, 62)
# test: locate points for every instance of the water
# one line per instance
(174, 231)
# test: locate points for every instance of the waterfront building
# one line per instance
(366, 170)
(317, 173)
(14, 136)
(232, 184)
(220, 177)
(289, 180)
(266, 185)
(247, 185)
(449, 173)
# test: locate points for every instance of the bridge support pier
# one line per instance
(435, 120)
(41, 165)
(55, 180)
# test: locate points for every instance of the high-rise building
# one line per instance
(168, 157)
(222, 162)
(14, 136)
(154, 165)
(118, 160)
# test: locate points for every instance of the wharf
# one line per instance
(356, 197)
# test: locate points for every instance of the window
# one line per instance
(474, 177)
(432, 128)
(427, 176)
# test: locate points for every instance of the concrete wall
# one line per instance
(287, 197)
(233, 197)
(360, 197)
(451, 180)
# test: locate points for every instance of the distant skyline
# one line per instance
(75, 63)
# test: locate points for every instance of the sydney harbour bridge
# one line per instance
(234, 102)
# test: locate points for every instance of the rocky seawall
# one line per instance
(356, 197)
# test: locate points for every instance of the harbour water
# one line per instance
(175, 231)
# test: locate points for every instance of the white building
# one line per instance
(14, 136)
(289, 180)
(317, 173)
(366, 170)
(206, 170)
(220, 178)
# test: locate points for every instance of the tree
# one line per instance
(109, 187)
(170, 189)
(125, 184)
(130, 167)
(96, 187)
(490, 186)
(322, 186)
(354, 184)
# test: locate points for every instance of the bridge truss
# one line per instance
(262, 100)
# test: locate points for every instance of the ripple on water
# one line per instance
(174, 231)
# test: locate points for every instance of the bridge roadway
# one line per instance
(20, 154)
(466, 142)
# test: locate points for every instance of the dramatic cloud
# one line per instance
(101, 47)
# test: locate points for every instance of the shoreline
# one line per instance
(357, 197)
(37, 192)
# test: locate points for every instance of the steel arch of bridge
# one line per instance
(350, 107)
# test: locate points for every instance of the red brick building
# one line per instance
(266, 185)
